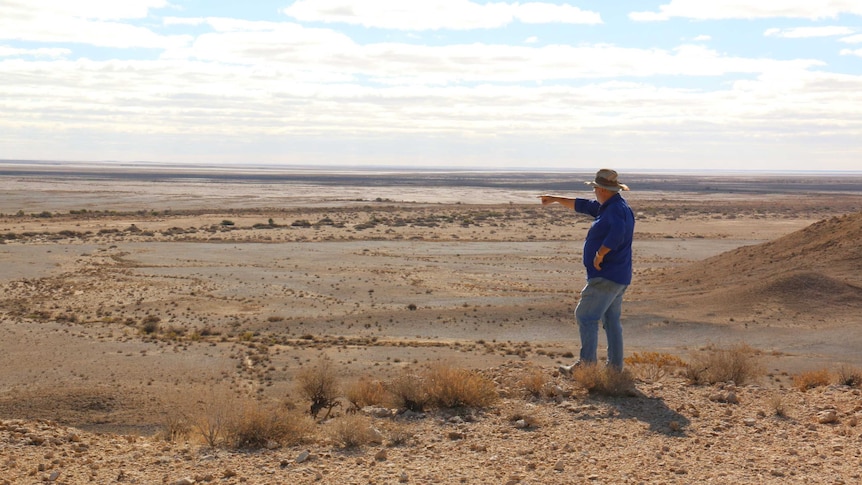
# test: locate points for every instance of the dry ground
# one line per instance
(119, 304)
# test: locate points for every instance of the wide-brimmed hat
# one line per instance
(607, 179)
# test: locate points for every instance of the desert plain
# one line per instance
(131, 296)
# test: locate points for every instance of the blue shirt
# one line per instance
(613, 228)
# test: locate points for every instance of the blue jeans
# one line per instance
(601, 299)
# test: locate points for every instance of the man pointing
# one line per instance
(608, 260)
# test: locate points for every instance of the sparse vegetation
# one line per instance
(604, 381)
(353, 431)
(653, 366)
(811, 379)
(739, 364)
(452, 387)
(265, 426)
(319, 385)
(366, 392)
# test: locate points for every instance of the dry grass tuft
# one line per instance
(653, 366)
(849, 376)
(535, 383)
(778, 405)
(366, 392)
(811, 379)
(604, 381)
(353, 431)
(408, 392)
(739, 364)
(452, 387)
(259, 426)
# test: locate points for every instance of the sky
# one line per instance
(664, 85)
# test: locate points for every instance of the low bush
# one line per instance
(353, 431)
(811, 379)
(738, 363)
(366, 392)
(261, 426)
(849, 376)
(451, 387)
(320, 386)
(605, 381)
(653, 366)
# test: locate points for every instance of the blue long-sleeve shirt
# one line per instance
(613, 228)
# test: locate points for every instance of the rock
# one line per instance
(185, 481)
(381, 455)
(403, 478)
(560, 465)
(303, 457)
(54, 476)
(749, 421)
(830, 416)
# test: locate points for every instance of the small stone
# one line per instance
(559, 466)
(403, 478)
(749, 421)
(54, 476)
(381, 455)
(454, 435)
(185, 481)
(829, 416)
(303, 457)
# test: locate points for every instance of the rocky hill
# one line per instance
(814, 272)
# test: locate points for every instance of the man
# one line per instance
(608, 259)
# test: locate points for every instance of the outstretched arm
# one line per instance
(566, 202)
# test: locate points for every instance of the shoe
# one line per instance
(566, 370)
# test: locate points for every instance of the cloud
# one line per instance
(851, 52)
(853, 39)
(86, 22)
(809, 32)
(745, 9)
(703, 38)
(56, 53)
(436, 14)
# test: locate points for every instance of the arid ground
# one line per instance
(126, 296)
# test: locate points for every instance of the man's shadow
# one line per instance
(651, 410)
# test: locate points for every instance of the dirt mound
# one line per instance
(815, 270)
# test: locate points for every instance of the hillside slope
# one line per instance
(811, 274)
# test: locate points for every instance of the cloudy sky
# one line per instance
(649, 84)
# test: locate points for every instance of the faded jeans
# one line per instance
(601, 300)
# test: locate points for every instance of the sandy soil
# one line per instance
(249, 283)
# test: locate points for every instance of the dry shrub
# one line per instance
(258, 425)
(605, 381)
(408, 392)
(320, 386)
(366, 392)
(451, 387)
(738, 363)
(778, 404)
(353, 431)
(811, 379)
(849, 376)
(534, 383)
(653, 366)
(213, 416)
(176, 425)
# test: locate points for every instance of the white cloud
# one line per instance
(809, 32)
(746, 9)
(436, 14)
(853, 39)
(56, 53)
(82, 22)
(851, 52)
(703, 38)
(531, 40)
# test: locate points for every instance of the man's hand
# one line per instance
(597, 261)
(600, 257)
